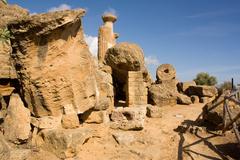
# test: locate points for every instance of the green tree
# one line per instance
(204, 78)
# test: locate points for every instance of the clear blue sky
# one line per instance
(193, 35)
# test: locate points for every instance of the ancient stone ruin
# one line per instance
(51, 91)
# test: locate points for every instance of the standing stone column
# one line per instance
(136, 89)
(106, 36)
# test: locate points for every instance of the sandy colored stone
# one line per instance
(6, 91)
(17, 122)
(183, 99)
(154, 111)
(55, 65)
(106, 36)
(163, 94)
(183, 86)
(64, 143)
(203, 91)
(70, 118)
(195, 99)
(124, 138)
(129, 118)
(165, 72)
(136, 89)
(98, 117)
(46, 122)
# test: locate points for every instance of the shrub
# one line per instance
(204, 78)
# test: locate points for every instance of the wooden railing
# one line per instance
(233, 97)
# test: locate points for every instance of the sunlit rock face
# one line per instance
(53, 63)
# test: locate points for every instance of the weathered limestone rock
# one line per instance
(154, 111)
(106, 36)
(163, 94)
(205, 100)
(183, 86)
(124, 138)
(136, 89)
(195, 99)
(97, 117)
(70, 118)
(46, 122)
(4, 149)
(128, 118)
(17, 122)
(165, 72)
(64, 143)
(54, 63)
(8, 13)
(183, 99)
(6, 91)
(105, 92)
(202, 91)
(124, 57)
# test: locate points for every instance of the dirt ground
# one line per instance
(163, 138)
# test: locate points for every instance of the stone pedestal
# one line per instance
(136, 89)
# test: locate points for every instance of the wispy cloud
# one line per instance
(60, 8)
(212, 14)
(110, 10)
(149, 60)
(92, 42)
(212, 30)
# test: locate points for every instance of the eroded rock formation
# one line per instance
(53, 63)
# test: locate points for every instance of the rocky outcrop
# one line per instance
(53, 63)
(17, 122)
(129, 118)
(64, 143)
(8, 13)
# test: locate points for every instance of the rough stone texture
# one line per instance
(53, 62)
(165, 72)
(6, 91)
(163, 94)
(136, 89)
(183, 99)
(17, 122)
(124, 57)
(215, 116)
(128, 118)
(106, 36)
(183, 86)
(195, 99)
(97, 117)
(70, 118)
(8, 13)
(4, 149)
(204, 100)
(202, 91)
(64, 143)
(154, 111)
(105, 92)
(124, 138)
(47, 122)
